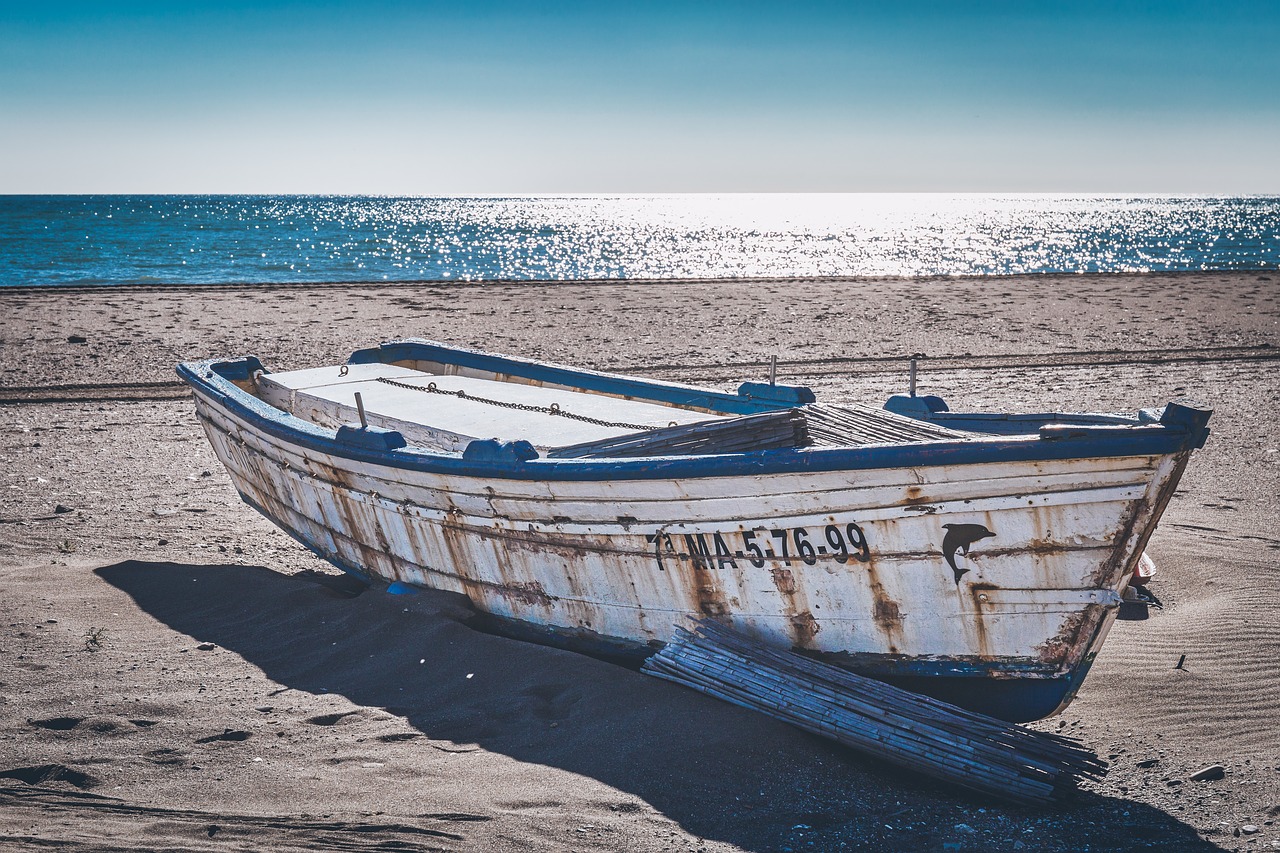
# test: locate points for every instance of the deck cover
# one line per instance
(326, 396)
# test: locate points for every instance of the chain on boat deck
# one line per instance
(446, 412)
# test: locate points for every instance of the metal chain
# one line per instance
(553, 409)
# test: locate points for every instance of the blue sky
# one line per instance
(505, 97)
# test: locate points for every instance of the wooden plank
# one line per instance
(765, 431)
(912, 731)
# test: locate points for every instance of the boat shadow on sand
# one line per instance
(720, 772)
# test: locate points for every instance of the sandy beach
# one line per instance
(178, 674)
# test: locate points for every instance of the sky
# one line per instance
(489, 97)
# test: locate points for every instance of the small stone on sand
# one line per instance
(1209, 774)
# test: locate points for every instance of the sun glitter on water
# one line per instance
(212, 239)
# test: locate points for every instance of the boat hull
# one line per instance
(876, 569)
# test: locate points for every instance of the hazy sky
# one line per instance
(470, 97)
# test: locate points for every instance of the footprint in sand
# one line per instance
(45, 773)
(166, 756)
(57, 724)
(330, 719)
(228, 735)
(552, 701)
(398, 736)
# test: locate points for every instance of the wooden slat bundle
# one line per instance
(765, 431)
(825, 426)
(913, 731)
(851, 424)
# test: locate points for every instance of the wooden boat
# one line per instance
(980, 558)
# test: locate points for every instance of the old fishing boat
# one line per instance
(979, 557)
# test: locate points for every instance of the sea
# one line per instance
(184, 240)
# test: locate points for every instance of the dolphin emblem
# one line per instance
(959, 537)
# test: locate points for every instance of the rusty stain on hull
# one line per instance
(784, 580)
(885, 611)
(1058, 649)
(979, 595)
(706, 591)
(804, 627)
(801, 621)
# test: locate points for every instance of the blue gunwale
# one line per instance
(1180, 430)
(751, 398)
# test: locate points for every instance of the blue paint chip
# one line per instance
(238, 369)
(1188, 416)
(398, 588)
(492, 450)
(375, 438)
(792, 395)
(921, 408)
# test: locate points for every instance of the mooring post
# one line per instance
(911, 376)
(773, 370)
(364, 423)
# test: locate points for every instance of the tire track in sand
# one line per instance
(139, 391)
(62, 817)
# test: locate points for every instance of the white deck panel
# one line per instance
(467, 417)
(319, 377)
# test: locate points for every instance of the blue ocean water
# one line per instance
(183, 239)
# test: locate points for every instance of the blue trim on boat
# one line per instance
(372, 437)
(1016, 700)
(785, 396)
(921, 408)
(1183, 430)
(1000, 423)
(1189, 415)
(749, 399)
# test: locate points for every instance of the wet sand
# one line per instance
(242, 696)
